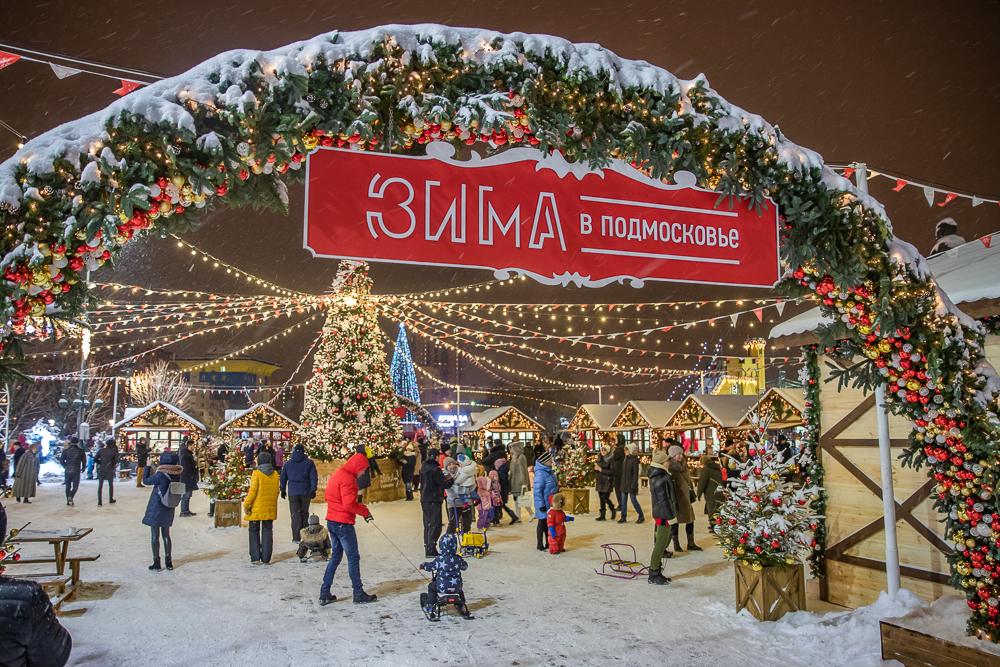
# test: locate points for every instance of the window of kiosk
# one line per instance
(638, 437)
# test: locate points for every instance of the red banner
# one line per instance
(522, 212)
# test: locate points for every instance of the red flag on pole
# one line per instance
(8, 59)
(127, 87)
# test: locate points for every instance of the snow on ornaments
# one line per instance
(227, 485)
(349, 398)
(765, 526)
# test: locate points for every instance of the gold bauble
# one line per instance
(884, 346)
(971, 543)
(771, 487)
(740, 551)
(38, 308)
(166, 207)
(177, 180)
(963, 569)
(445, 124)
(310, 142)
(756, 567)
(864, 330)
(790, 561)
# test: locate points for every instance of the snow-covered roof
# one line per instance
(793, 397)
(479, 420)
(602, 414)
(138, 412)
(252, 408)
(654, 413)
(726, 410)
(968, 273)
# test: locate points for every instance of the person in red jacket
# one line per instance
(342, 507)
(556, 520)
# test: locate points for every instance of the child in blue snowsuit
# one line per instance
(447, 580)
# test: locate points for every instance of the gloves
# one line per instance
(570, 518)
(313, 496)
(283, 496)
(369, 518)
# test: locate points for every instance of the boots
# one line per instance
(622, 519)
(668, 554)
(655, 577)
(641, 518)
(156, 567)
(363, 598)
(677, 544)
(601, 517)
(613, 511)
(692, 546)
(169, 563)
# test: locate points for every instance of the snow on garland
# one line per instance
(810, 465)
(234, 128)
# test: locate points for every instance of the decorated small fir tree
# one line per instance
(9, 550)
(576, 470)
(765, 518)
(349, 398)
(229, 480)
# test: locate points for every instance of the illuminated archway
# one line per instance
(235, 128)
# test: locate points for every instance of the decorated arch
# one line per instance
(237, 128)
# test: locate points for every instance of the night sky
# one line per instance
(908, 87)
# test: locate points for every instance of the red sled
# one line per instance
(618, 567)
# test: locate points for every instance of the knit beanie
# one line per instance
(659, 459)
(545, 458)
(313, 520)
(675, 450)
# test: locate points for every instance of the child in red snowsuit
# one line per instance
(556, 521)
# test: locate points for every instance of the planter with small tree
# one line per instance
(227, 484)
(575, 474)
(765, 526)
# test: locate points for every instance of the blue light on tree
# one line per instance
(404, 377)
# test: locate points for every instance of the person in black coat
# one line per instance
(18, 453)
(618, 466)
(141, 461)
(503, 472)
(298, 482)
(189, 476)
(605, 482)
(433, 482)
(409, 467)
(630, 485)
(106, 460)
(664, 497)
(30, 633)
(74, 460)
(222, 452)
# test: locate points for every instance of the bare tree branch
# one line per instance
(157, 382)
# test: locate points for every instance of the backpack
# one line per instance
(172, 497)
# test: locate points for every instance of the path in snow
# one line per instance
(531, 608)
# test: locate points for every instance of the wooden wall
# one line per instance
(855, 537)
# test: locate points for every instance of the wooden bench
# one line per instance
(74, 566)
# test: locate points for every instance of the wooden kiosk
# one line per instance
(592, 424)
(505, 423)
(260, 422)
(784, 407)
(848, 450)
(162, 424)
(706, 419)
(642, 423)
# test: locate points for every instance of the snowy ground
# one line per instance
(531, 608)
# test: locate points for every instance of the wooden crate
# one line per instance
(228, 513)
(385, 487)
(577, 500)
(771, 592)
(918, 649)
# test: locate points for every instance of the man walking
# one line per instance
(106, 461)
(141, 459)
(298, 484)
(74, 460)
(342, 507)
(433, 482)
(189, 476)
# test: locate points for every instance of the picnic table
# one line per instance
(64, 585)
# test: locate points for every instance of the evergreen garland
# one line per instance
(810, 465)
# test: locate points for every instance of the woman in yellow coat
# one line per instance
(261, 507)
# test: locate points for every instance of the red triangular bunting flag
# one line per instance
(900, 184)
(588, 345)
(759, 312)
(987, 241)
(8, 59)
(951, 196)
(127, 87)
(666, 329)
(848, 172)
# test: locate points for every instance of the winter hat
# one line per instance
(630, 448)
(675, 450)
(263, 457)
(409, 449)
(545, 458)
(432, 453)
(298, 448)
(168, 459)
(499, 462)
(445, 447)
(447, 545)
(447, 462)
(659, 460)
(605, 449)
(313, 520)
(558, 501)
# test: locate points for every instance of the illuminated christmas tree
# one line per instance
(576, 469)
(404, 376)
(231, 480)
(349, 399)
(766, 519)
